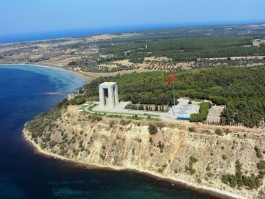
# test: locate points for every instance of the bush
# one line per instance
(192, 129)
(189, 168)
(219, 100)
(208, 168)
(152, 129)
(125, 122)
(94, 118)
(261, 165)
(111, 124)
(202, 115)
(193, 159)
(77, 100)
(52, 143)
(224, 157)
(252, 181)
(258, 152)
(161, 146)
(218, 132)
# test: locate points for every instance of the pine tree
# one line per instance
(156, 107)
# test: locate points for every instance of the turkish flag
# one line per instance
(171, 79)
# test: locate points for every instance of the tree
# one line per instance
(152, 129)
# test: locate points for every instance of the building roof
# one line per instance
(108, 84)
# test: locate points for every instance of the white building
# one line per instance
(108, 95)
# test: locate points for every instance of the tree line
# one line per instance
(242, 90)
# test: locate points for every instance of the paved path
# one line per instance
(88, 108)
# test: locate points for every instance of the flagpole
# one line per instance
(174, 99)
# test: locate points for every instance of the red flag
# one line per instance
(171, 79)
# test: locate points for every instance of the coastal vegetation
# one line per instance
(239, 179)
(39, 123)
(182, 152)
(241, 90)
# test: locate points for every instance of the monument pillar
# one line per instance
(116, 95)
(108, 95)
(111, 97)
(101, 97)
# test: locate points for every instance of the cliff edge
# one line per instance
(223, 160)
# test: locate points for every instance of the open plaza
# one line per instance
(110, 105)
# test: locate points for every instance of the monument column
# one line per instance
(101, 97)
(116, 95)
(111, 97)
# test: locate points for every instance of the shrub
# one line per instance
(94, 118)
(258, 152)
(193, 159)
(219, 100)
(202, 115)
(152, 129)
(224, 157)
(208, 168)
(77, 100)
(192, 129)
(125, 122)
(252, 181)
(161, 146)
(261, 165)
(111, 124)
(52, 143)
(218, 132)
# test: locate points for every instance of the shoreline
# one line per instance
(192, 186)
(83, 76)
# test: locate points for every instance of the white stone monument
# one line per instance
(108, 95)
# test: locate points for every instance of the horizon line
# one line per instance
(83, 32)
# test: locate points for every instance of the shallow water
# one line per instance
(25, 174)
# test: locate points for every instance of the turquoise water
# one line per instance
(25, 92)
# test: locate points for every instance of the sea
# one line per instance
(46, 35)
(23, 37)
(25, 92)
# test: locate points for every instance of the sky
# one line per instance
(29, 16)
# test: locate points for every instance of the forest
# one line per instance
(186, 44)
(236, 45)
(242, 90)
(185, 48)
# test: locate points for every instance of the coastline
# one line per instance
(192, 186)
(83, 76)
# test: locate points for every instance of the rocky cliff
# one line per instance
(221, 159)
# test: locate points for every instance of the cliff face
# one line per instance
(196, 155)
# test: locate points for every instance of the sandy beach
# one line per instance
(82, 75)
